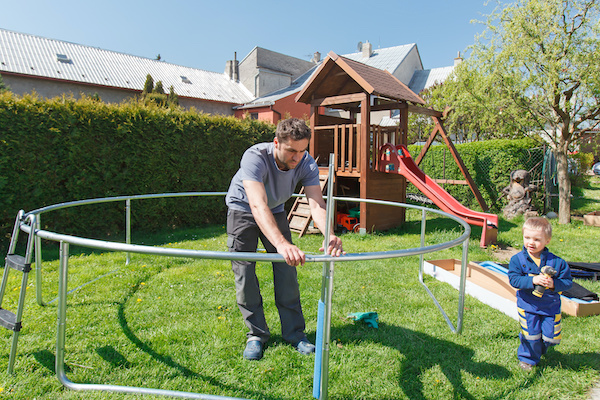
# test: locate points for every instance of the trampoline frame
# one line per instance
(31, 223)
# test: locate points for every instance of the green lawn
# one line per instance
(172, 323)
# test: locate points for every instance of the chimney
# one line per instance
(232, 68)
(367, 50)
(316, 57)
(458, 59)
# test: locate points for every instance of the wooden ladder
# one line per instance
(299, 217)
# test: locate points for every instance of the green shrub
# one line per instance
(60, 150)
(3, 86)
(584, 161)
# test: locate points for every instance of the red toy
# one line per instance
(347, 223)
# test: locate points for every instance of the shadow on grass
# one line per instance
(48, 360)
(423, 352)
(573, 361)
(113, 357)
(554, 360)
(586, 203)
(168, 361)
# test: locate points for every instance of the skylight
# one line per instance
(184, 79)
(63, 58)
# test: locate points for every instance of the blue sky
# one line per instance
(205, 34)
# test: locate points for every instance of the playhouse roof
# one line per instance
(338, 76)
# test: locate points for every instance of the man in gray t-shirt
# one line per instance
(267, 178)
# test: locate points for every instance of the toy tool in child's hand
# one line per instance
(538, 290)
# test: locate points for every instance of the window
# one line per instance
(184, 79)
(63, 58)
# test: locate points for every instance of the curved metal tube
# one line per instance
(223, 255)
(65, 240)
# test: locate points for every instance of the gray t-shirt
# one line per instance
(258, 164)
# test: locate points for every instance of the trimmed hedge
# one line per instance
(59, 150)
(489, 163)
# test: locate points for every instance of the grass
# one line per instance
(172, 323)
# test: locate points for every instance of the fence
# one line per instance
(491, 173)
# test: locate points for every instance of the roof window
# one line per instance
(63, 58)
(184, 79)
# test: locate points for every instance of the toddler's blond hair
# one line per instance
(539, 224)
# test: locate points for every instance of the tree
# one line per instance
(148, 85)
(152, 93)
(158, 88)
(534, 71)
(3, 86)
(173, 99)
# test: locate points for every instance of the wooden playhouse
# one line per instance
(344, 96)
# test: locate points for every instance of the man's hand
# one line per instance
(318, 211)
(291, 253)
(335, 246)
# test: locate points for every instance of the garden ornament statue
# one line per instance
(518, 193)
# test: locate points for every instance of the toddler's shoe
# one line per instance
(524, 366)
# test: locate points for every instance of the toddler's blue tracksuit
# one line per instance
(539, 316)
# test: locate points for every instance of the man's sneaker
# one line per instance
(305, 347)
(253, 350)
(524, 366)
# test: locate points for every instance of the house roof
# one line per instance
(339, 75)
(54, 59)
(426, 78)
(388, 59)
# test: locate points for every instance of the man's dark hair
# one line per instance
(292, 128)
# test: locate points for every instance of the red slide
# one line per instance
(396, 159)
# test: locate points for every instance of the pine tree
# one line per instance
(173, 98)
(3, 87)
(158, 88)
(148, 85)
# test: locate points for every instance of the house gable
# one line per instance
(264, 71)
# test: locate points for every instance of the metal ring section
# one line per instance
(65, 240)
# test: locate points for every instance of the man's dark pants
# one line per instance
(243, 234)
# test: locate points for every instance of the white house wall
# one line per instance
(409, 65)
(50, 88)
(264, 71)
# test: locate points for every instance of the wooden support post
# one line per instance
(439, 128)
(403, 134)
(364, 132)
(314, 112)
(430, 140)
(461, 165)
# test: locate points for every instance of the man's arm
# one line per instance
(318, 210)
(257, 198)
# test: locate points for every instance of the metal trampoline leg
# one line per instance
(461, 289)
